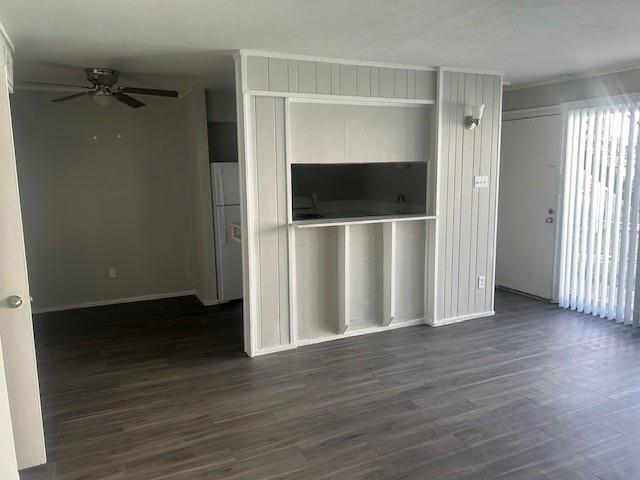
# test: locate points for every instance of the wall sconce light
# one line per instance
(472, 115)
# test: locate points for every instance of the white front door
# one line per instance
(529, 168)
(16, 330)
(8, 463)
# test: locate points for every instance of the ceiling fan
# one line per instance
(103, 90)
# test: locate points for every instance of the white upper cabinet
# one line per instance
(317, 133)
(345, 133)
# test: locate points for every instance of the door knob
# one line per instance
(549, 219)
(14, 301)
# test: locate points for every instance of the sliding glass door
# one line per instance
(599, 236)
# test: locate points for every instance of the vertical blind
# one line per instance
(599, 236)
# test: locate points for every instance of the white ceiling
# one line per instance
(530, 40)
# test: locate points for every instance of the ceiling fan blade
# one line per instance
(126, 99)
(60, 86)
(69, 97)
(150, 91)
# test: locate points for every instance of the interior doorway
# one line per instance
(527, 208)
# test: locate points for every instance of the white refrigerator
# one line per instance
(225, 181)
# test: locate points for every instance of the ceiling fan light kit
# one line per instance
(104, 92)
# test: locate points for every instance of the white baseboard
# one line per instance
(361, 331)
(209, 303)
(461, 318)
(279, 348)
(115, 301)
(348, 333)
(206, 302)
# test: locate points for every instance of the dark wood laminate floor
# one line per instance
(161, 390)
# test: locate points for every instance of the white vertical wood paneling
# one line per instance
(365, 275)
(258, 73)
(272, 269)
(317, 282)
(390, 252)
(307, 77)
(411, 84)
(401, 85)
(465, 285)
(344, 313)
(445, 114)
(386, 82)
(409, 272)
(316, 77)
(363, 81)
(335, 79)
(425, 87)
(474, 207)
(292, 67)
(495, 115)
(338, 286)
(323, 83)
(246, 169)
(483, 196)
(278, 75)
(374, 82)
(347, 80)
(452, 224)
(466, 222)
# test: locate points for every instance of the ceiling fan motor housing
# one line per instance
(102, 76)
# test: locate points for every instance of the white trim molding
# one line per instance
(361, 331)
(461, 318)
(115, 301)
(268, 351)
(344, 99)
(525, 113)
(497, 73)
(574, 77)
(632, 97)
(341, 61)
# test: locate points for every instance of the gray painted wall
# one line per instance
(221, 106)
(197, 148)
(467, 216)
(553, 94)
(107, 187)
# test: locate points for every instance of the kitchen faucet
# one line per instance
(402, 200)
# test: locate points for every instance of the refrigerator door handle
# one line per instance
(219, 184)
(223, 223)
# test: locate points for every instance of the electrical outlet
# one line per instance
(481, 181)
(480, 281)
(112, 272)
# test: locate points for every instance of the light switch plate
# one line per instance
(481, 181)
(480, 281)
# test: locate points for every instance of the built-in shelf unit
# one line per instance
(360, 210)
(360, 174)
